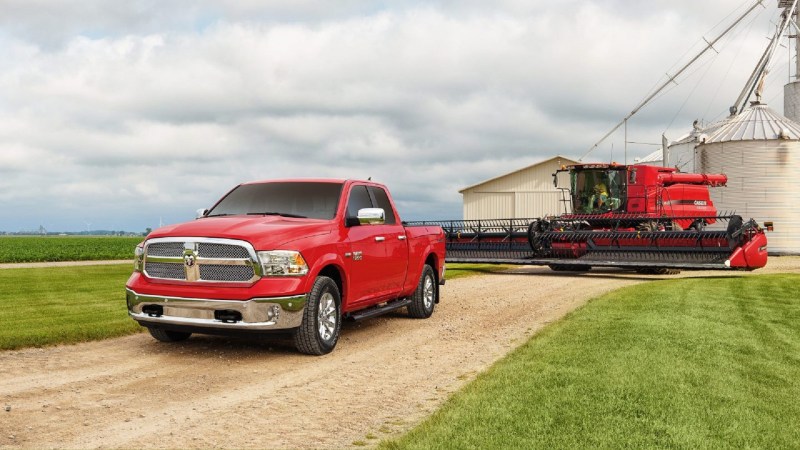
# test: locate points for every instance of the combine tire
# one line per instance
(168, 335)
(322, 319)
(570, 267)
(658, 271)
(424, 298)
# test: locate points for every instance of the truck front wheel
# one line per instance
(322, 319)
(168, 335)
(424, 298)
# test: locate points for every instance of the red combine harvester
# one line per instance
(647, 218)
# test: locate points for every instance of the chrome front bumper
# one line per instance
(271, 313)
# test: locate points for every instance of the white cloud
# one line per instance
(122, 113)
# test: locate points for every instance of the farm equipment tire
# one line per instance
(657, 271)
(570, 267)
(322, 319)
(168, 335)
(424, 298)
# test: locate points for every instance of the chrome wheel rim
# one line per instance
(428, 293)
(326, 316)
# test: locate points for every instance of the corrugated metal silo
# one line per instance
(681, 153)
(759, 150)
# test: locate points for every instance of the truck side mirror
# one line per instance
(371, 216)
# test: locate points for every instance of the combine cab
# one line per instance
(647, 218)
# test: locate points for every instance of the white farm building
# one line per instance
(523, 193)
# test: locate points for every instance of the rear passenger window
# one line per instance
(359, 199)
(382, 201)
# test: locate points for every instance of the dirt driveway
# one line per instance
(385, 375)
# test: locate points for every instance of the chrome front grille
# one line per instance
(201, 260)
(174, 249)
(207, 250)
(169, 271)
(220, 272)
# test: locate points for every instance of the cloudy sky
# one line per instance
(119, 115)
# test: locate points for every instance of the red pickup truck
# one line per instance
(295, 256)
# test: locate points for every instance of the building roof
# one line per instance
(756, 123)
(566, 161)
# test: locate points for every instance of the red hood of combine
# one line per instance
(265, 233)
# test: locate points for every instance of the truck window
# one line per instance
(292, 199)
(359, 199)
(382, 201)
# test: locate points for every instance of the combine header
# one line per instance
(647, 218)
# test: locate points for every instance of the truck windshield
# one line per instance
(598, 190)
(315, 200)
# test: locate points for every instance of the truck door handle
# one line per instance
(379, 238)
(401, 237)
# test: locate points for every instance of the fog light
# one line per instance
(273, 312)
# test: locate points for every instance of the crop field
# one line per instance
(18, 249)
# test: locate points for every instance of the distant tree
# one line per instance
(147, 231)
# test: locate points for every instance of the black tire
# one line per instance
(424, 298)
(658, 271)
(570, 267)
(322, 319)
(698, 225)
(168, 335)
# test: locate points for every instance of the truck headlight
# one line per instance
(282, 263)
(138, 258)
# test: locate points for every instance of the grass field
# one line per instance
(16, 249)
(455, 271)
(691, 363)
(75, 304)
(63, 305)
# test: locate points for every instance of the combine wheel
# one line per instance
(570, 267)
(658, 271)
(698, 225)
(647, 226)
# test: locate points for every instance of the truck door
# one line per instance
(365, 253)
(395, 263)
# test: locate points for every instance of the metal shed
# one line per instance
(527, 192)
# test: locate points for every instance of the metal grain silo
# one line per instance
(682, 153)
(759, 150)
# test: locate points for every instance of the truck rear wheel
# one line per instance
(168, 335)
(322, 319)
(424, 298)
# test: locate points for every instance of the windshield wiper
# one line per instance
(272, 213)
(218, 215)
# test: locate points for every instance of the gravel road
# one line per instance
(385, 375)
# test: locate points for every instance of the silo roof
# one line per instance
(756, 123)
(656, 156)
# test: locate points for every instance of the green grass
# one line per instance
(63, 305)
(16, 249)
(455, 271)
(691, 363)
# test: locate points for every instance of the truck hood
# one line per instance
(265, 233)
